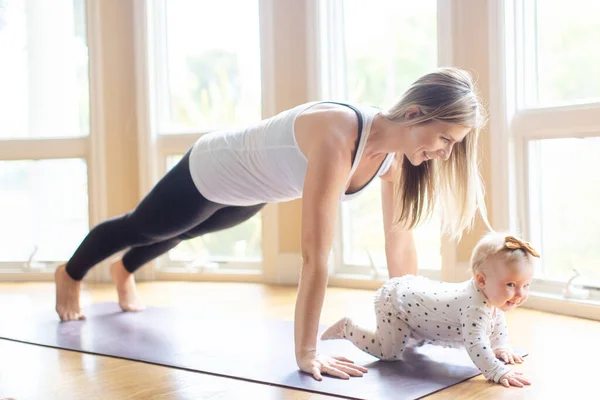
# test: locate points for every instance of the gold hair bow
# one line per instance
(513, 243)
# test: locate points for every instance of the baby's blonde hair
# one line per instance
(507, 247)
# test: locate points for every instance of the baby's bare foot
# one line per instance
(125, 283)
(67, 295)
(336, 331)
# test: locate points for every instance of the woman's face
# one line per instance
(433, 140)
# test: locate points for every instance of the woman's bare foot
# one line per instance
(67, 295)
(125, 283)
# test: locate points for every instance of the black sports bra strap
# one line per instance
(360, 123)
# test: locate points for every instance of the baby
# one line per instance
(468, 314)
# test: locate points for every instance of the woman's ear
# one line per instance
(412, 112)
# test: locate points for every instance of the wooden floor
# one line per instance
(562, 362)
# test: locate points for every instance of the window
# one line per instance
(559, 41)
(38, 40)
(44, 129)
(564, 203)
(554, 119)
(43, 208)
(372, 52)
(206, 63)
(211, 66)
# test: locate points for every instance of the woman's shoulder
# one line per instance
(330, 114)
(331, 127)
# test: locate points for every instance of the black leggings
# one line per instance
(173, 211)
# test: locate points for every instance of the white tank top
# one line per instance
(263, 163)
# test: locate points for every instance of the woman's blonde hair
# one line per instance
(447, 95)
(507, 247)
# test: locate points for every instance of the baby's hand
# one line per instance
(508, 356)
(514, 378)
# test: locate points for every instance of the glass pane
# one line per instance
(243, 242)
(388, 45)
(44, 69)
(364, 236)
(396, 43)
(213, 65)
(567, 43)
(564, 195)
(43, 209)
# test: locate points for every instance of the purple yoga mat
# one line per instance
(251, 349)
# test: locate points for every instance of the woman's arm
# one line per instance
(329, 164)
(400, 250)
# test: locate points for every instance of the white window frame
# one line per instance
(90, 148)
(513, 127)
(331, 80)
(155, 148)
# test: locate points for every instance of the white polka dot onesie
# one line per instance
(441, 313)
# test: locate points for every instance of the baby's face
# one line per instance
(505, 284)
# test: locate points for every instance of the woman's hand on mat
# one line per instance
(514, 378)
(319, 364)
(508, 356)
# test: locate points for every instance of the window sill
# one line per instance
(27, 275)
(558, 304)
(253, 275)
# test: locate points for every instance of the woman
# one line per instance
(423, 147)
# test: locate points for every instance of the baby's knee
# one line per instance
(390, 351)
